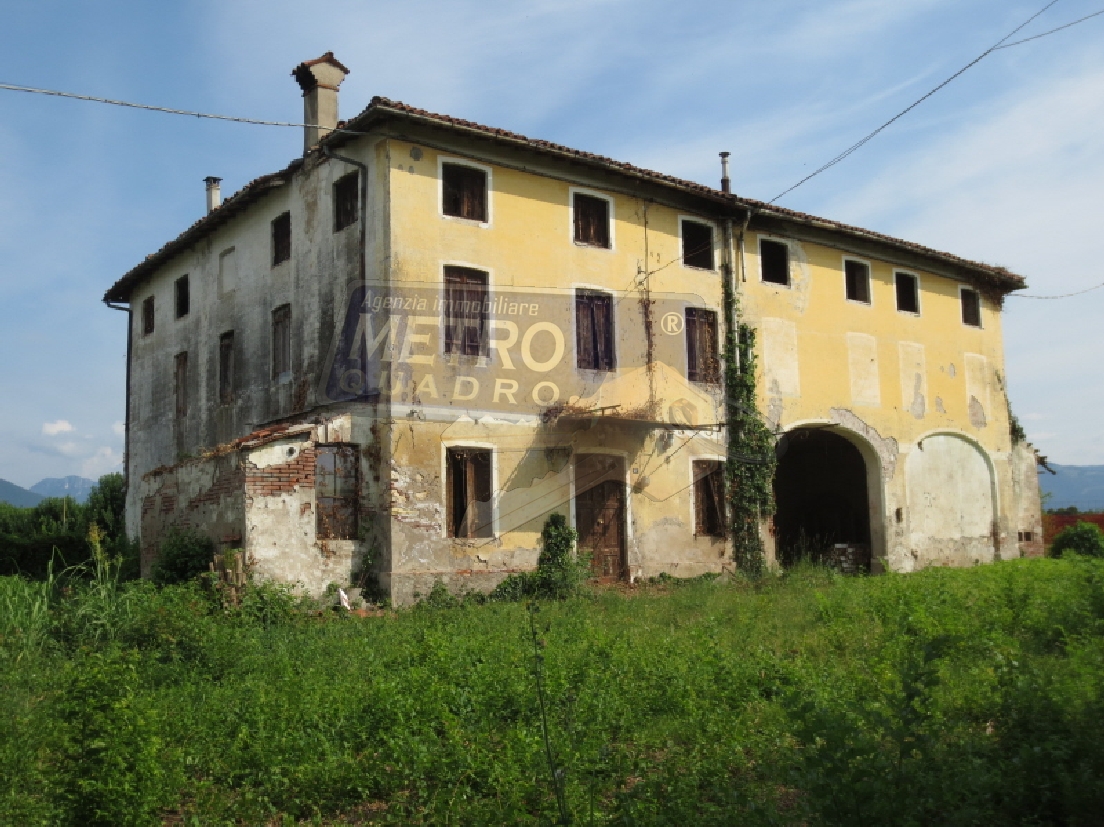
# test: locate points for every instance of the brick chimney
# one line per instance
(319, 79)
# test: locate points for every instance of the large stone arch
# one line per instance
(950, 485)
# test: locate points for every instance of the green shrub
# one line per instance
(184, 554)
(1083, 538)
(560, 573)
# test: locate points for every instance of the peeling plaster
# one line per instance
(886, 448)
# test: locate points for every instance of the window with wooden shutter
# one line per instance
(346, 199)
(971, 307)
(464, 192)
(281, 341)
(465, 311)
(336, 491)
(594, 330)
(591, 220)
(226, 367)
(703, 363)
(709, 505)
(697, 245)
(468, 492)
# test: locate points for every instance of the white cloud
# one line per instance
(119, 428)
(104, 461)
(61, 426)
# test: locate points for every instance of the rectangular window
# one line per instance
(464, 192)
(774, 261)
(709, 505)
(281, 237)
(147, 316)
(908, 293)
(697, 245)
(281, 341)
(180, 382)
(702, 361)
(591, 220)
(594, 330)
(183, 297)
(465, 311)
(336, 492)
(857, 276)
(346, 198)
(468, 491)
(971, 307)
(226, 367)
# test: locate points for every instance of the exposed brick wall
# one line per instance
(284, 478)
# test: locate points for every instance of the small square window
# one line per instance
(465, 311)
(709, 505)
(591, 220)
(147, 316)
(774, 261)
(908, 293)
(183, 297)
(464, 192)
(226, 367)
(697, 245)
(281, 237)
(336, 491)
(594, 330)
(971, 307)
(468, 490)
(702, 361)
(281, 341)
(857, 276)
(346, 195)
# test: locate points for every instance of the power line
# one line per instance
(1052, 31)
(92, 98)
(1062, 296)
(1000, 44)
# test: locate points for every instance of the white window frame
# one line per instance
(611, 452)
(454, 358)
(571, 192)
(593, 288)
(464, 162)
(716, 243)
(981, 316)
(869, 281)
(919, 302)
(495, 493)
(785, 242)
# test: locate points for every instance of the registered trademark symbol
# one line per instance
(671, 324)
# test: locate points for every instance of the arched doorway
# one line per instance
(822, 507)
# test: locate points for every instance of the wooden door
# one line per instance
(600, 513)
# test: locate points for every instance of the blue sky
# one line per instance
(1006, 165)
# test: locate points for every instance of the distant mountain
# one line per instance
(14, 495)
(75, 487)
(1077, 485)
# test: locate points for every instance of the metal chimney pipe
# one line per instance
(726, 182)
(214, 193)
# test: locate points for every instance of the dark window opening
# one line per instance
(697, 245)
(226, 367)
(464, 192)
(702, 361)
(709, 506)
(147, 316)
(857, 276)
(465, 311)
(183, 297)
(346, 195)
(591, 220)
(1026, 536)
(971, 308)
(281, 237)
(469, 493)
(594, 330)
(180, 382)
(336, 492)
(908, 293)
(281, 341)
(774, 259)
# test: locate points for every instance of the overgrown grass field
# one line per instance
(943, 697)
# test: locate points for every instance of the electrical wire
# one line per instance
(1000, 44)
(1052, 31)
(1061, 296)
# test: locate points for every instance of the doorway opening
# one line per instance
(822, 506)
(600, 514)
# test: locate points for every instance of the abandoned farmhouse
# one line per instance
(389, 362)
